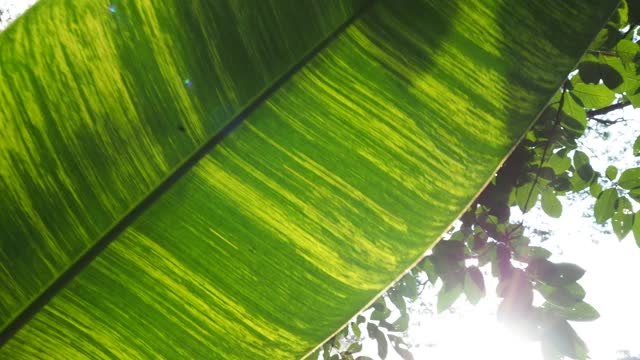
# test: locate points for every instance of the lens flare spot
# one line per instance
(112, 8)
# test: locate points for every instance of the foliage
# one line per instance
(233, 179)
(545, 166)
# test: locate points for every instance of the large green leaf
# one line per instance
(237, 179)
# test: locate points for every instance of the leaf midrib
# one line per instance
(22, 317)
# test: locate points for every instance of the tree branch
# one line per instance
(608, 109)
(608, 122)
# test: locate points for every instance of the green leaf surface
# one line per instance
(527, 196)
(630, 178)
(591, 72)
(579, 311)
(402, 323)
(611, 172)
(448, 295)
(636, 147)
(474, 287)
(550, 204)
(380, 338)
(565, 274)
(427, 266)
(355, 347)
(205, 181)
(594, 96)
(622, 219)
(564, 339)
(356, 330)
(582, 166)
(560, 296)
(627, 51)
(605, 205)
(558, 163)
(573, 116)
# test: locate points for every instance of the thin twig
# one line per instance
(556, 123)
(608, 122)
(608, 109)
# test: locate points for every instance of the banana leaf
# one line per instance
(237, 179)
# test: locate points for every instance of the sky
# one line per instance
(611, 280)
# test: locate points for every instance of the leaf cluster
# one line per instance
(544, 168)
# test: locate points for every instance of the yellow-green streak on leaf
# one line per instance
(300, 216)
(92, 104)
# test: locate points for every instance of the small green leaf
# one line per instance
(551, 205)
(360, 319)
(576, 291)
(634, 194)
(589, 72)
(487, 254)
(398, 300)
(448, 295)
(525, 196)
(558, 296)
(579, 311)
(537, 251)
(402, 323)
(636, 147)
(410, 287)
(595, 189)
(594, 96)
(326, 351)
(355, 347)
(356, 330)
(630, 178)
(611, 172)
(622, 219)
(573, 116)
(558, 163)
(427, 266)
(610, 76)
(565, 274)
(582, 166)
(372, 330)
(564, 339)
(605, 205)
(382, 344)
(627, 51)
(380, 314)
(474, 287)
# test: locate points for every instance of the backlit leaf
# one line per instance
(565, 274)
(611, 172)
(474, 285)
(594, 96)
(235, 179)
(448, 295)
(630, 178)
(550, 204)
(605, 205)
(622, 219)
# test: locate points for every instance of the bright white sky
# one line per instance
(611, 281)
